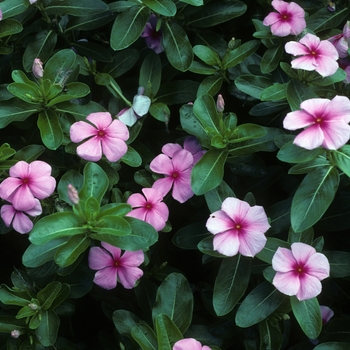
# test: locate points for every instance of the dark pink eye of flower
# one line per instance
(149, 206)
(25, 181)
(175, 174)
(101, 133)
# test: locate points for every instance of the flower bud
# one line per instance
(141, 90)
(33, 306)
(220, 104)
(15, 333)
(37, 68)
(73, 194)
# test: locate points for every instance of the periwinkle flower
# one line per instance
(153, 38)
(341, 41)
(37, 68)
(189, 344)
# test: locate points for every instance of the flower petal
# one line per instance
(113, 148)
(318, 266)
(187, 344)
(132, 258)
(90, 150)
(310, 138)
(251, 242)
(162, 164)
(227, 243)
(170, 149)
(310, 287)
(287, 282)
(21, 223)
(141, 105)
(128, 276)
(101, 119)
(218, 222)
(99, 258)
(127, 116)
(81, 130)
(283, 260)
(106, 278)
(114, 251)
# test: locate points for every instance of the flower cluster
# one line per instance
(26, 185)
(176, 164)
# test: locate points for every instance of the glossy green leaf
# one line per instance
(72, 91)
(42, 47)
(270, 335)
(313, 197)
(174, 299)
(202, 68)
(238, 55)
(206, 247)
(56, 225)
(167, 332)
(332, 346)
(47, 295)
(210, 85)
(6, 152)
(193, 2)
(259, 304)
(231, 283)
(205, 110)
(150, 74)
(93, 51)
(271, 59)
(306, 167)
(111, 225)
(25, 92)
(324, 19)
(29, 153)
(216, 196)
(11, 8)
(177, 46)
(291, 153)
(128, 26)
(9, 323)
(50, 129)
(274, 92)
(9, 27)
(80, 112)
(207, 55)
(48, 328)
(8, 297)
(144, 336)
(115, 209)
(341, 158)
(132, 158)
(252, 85)
(338, 76)
(71, 7)
(308, 315)
(160, 111)
(189, 236)
(339, 263)
(246, 132)
(162, 7)
(269, 250)
(178, 92)
(297, 92)
(89, 22)
(123, 61)
(208, 171)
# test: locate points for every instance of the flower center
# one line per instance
(101, 133)
(285, 16)
(299, 270)
(148, 206)
(116, 263)
(238, 226)
(25, 181)
(318, 120)
(175, 174)
(313, 53)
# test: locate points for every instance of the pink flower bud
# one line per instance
(220, 103)
(73, 194)
(141, 90)
(37, 68)
(15, 333)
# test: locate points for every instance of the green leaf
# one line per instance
(231, 283)
(47, 295)
(189, 236)
(272, 244)
(80, 112)
(332, 346)
(6, 152)
(68, 253)
(308, 315)
(208, 171)
(291, 153)
(338, 76)
(26, 92)
(125, 321)
(167, 332)
(201, 68)
(72, 91)
(205, 110)
(123, 61)
(216, 13)
(111, 225)
(270, 335)
(174, 299)
(9, 298)
(48, 328)
(41, 47)
(260, 303)
(238, 55)
(29, 153)
(115, 209)
(246, 132)
(207, 55)
(160, 111)
(93, 51)
(193, 2)
(162, 7)
(341, 158)
(297, 92)
(11, 8)
(9, 27)
(150, 74)
(71, 7)
(50, 129)
(210, 85)
(132, 158)
(89, 22)
(95, 182)
(9, 323)
(128, 26)
(216, 196)
(177, 92)
(313, 197)
(177, 47)
(252, 85)
(56, 225)
(306, 167)
(271, 59)
(339, 263)
(274, 92)
(144, 336)
(324, 19)
(37, 255)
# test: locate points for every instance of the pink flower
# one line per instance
(220, 104)
(341, 41)
(140, 107)
(315, 54)
(19, 220)
(191, 144)
(27, 182)
(299, 271)
(326, 122)
(177, 173)
(113, 266)
(238, 227)
(153, 38)
(105, 136)
(189, 344)
(73, 194)
(149, 208)
(37, 68)
(289, 18)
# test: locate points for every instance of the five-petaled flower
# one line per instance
(189, 344)
(149, 208)
(299, 270)
(289, 18)
(238, 227)
(27, 182)
(139, 108)
(112, 266)
(177, 171)
(104, 135)
(326, 122)
(153, 38)
(341, 41)
(315, 54)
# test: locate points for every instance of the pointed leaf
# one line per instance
(48, 328)
(50, 129)
(167, 332)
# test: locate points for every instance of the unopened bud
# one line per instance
(141, 90)
(15, 333)
(220, 104)
(231, 43)
(37, 68)
(286, 317)
(73, 194)
(33, 306)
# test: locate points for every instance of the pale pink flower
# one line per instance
(177, 171)
(15, 333)
(189, 344)
(238, 227)
(113, 266)
(37, 68)
(73, 194)
(326, 122)
(19, 219)
(299, 270)
(153, 38)
(27, 182)
(289, 18)
(315, 54)
(149, 208)
(139, 108)
(341, 41)
(104, 135)
(191, 144)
